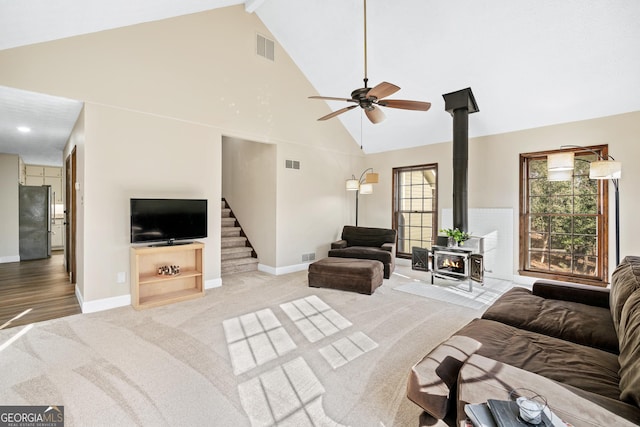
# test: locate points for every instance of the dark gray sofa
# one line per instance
(577, 345)
(367, 243)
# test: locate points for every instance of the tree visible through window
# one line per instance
(562, 223)
(415, 207)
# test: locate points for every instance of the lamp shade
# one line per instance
(561, 175)
(366, 188)
(371, 178)
(560, 161)
(352, 185)
(605, 169)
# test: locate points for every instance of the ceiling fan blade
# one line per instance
(332, 98)
(405, 105)
(335, 113)
(383, 90)
(375, 115)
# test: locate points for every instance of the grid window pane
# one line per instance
(562, 220)
(415, 207)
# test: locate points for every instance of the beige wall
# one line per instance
(124, 158)
(312, 202)
(9, 231)
(158, 98)
(494, 171)
(77, 140)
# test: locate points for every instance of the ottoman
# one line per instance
(347, 274)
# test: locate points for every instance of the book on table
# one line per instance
(503, 413)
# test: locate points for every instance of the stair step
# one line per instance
(233, 253)
(231, 242)
(239, 265)
(228, 222)
(230, 231)
(223, 204)
(226, 212)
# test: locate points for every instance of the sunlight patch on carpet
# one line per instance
(458, 292)
(288, 395)
(315, 319)
(254, 339)
(346, 349)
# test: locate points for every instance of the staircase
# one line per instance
(237, 255)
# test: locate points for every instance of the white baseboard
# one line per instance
(212, 283)
(283, 270)
(123, 300)
(102, 304)
(13, 258)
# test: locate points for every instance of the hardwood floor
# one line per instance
(32, 291)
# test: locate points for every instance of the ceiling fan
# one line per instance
(369, 99)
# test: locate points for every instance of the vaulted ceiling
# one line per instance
(530, 63)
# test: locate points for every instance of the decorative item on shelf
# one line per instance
(169, 270)
(364, 185)
(455, 236)
(560, 167)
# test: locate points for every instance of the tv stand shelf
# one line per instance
(149, 289)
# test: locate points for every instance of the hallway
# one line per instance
(32, 291)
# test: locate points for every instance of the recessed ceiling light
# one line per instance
(24, 129)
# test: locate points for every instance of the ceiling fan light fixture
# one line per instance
(367, 98)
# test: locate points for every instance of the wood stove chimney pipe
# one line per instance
(460, 104)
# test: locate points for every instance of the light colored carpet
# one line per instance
(259, 351)
(454, 292)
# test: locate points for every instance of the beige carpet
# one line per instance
(259, 351)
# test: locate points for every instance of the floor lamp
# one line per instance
(363, 185)
(605, 168)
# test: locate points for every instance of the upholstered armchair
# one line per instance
(367, 243)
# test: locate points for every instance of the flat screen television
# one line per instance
(168, 220)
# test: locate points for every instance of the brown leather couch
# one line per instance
(577, 345)
(367, 243)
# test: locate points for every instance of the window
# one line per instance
(563, 223)
(415, 207)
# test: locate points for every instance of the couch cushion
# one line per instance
(368, 236)
(575, 322)
(360, 252)
(432, 381)
(629, 332)
(624, 281)
(482, 378)
(583, 367)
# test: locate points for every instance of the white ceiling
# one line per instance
(49, 118)
(529, 63)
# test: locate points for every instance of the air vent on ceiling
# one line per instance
(265, 47)
(292, 164)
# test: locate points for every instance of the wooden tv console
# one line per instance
(151, 289)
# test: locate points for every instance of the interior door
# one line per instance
(70, 215)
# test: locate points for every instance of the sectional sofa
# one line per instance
(577, 345)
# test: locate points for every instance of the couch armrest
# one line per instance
(574, 292)
(339, 244)
(390, 247)
(433, 380)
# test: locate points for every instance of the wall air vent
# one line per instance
(292, 164)
(265, 47)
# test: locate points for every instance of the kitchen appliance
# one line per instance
(34, 221)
